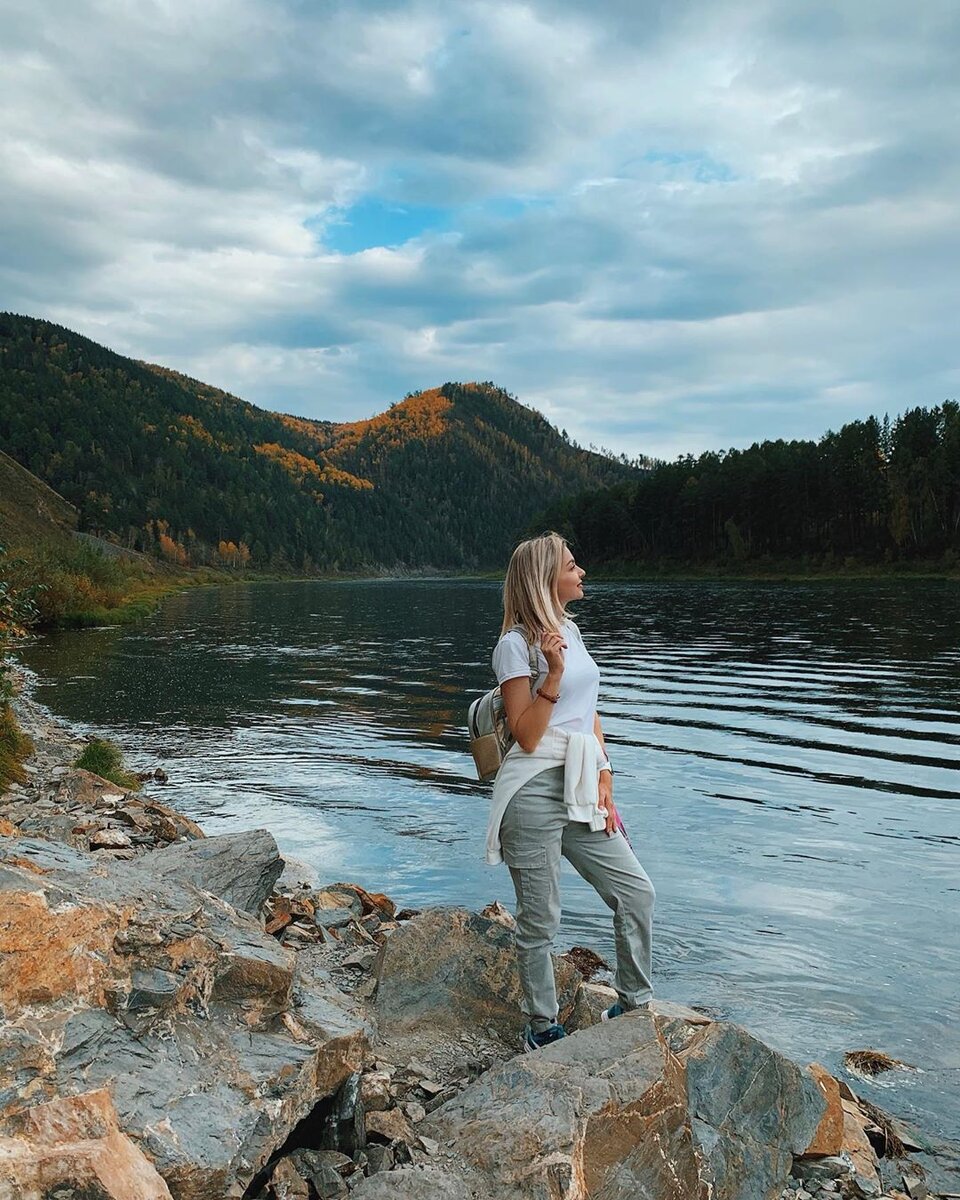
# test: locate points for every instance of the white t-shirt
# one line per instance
(579, 686)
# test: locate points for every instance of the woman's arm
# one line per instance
(598, 731)
(529, 715)
(605, 782)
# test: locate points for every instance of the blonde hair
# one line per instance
(530, 588)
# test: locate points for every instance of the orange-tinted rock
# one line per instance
(75, 1143)
(46, 954)
(7, 828)
(83, 788)
(828, 1138)
(857, 1144)
(390, 1125)
(371, 902)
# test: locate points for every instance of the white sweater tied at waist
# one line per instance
(581, 756)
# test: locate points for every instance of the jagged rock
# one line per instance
(858, 1146)
(335, 906)
(828, 1138)
(372, 902)
(375, 1091)
(612, 1111)
(287, 1183)
(379, 1158)
(822, 1168)
(453, 968)
(591, 1001)
(751, 1109)
(110, 839)
(423, 1183)
(324, 1170)
(362, 959)
(240, 868)
(600, 1113)
(390, 1126)
(683, 1012)
(74, 1146)
(495, 911)
(170, 1000)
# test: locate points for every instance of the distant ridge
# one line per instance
(155, 461)
(31, 511)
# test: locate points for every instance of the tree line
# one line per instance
(163, 464)
(876, 492)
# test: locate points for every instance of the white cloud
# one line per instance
(669, 227)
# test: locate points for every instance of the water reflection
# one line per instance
(787, 763)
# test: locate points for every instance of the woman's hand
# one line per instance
(605, 788)
(552, 646)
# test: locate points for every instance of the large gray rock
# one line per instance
(240, 868)
(640, 1108)
(176, 1004)
(451, 968)
(422, 1183)
(601, 1114)
(751, 1110)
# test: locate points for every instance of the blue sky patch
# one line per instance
(374, 222)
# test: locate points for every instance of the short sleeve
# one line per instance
(511, 658)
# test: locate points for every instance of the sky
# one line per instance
(670, 227)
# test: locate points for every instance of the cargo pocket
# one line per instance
(525, 859)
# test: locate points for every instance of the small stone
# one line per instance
(390, 1126)
(429, 1145)
(416, 1112)
(380, 1158)
(375, 1091)
(363, 958)
(110, 839)
(495, 911)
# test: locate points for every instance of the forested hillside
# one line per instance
(873, 493)
(162, 463)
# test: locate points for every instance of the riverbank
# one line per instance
(72, 598)
(190, 1011)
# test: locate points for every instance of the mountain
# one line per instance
(156, 461)
(30, 511)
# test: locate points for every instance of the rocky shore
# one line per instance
(184, 1016)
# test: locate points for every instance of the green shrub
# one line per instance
(103, 758)
(15, 746)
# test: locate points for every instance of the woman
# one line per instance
(553, 795)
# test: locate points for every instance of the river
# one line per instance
(787, 757)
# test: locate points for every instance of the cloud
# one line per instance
(670, 227)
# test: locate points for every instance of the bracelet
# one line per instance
(545, 696)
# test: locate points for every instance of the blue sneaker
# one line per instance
(536, 1041)
(615, 1010)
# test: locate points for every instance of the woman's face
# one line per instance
(570, 581)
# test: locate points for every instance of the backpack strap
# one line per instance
(531, 654)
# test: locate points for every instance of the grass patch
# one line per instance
(103, 758)
(15, 746)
